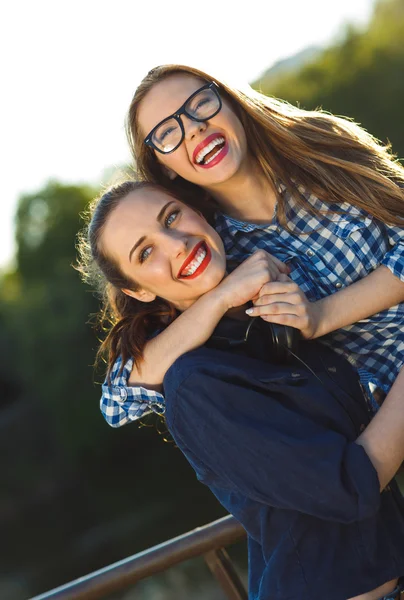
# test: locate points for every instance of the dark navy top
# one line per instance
(276, 445)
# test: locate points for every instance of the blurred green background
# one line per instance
(75, 494)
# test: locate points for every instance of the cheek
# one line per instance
(154, 277)
(232, 123)
(175, 160)
(158, 272)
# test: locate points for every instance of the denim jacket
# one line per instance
(276, 445)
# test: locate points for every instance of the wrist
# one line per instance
(219, 300)
(320, 326)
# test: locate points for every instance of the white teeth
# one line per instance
(194, 264)
(201, 155)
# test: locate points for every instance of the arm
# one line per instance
(285, 303)
(191, 329)
(378, 291)
(229, 415)
(125, 398)
(383, 438)
(194, 326)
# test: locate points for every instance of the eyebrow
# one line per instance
(158, 218)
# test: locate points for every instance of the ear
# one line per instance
(140, 294)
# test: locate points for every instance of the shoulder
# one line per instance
(205, 362)
(190, 365)
(191, 381)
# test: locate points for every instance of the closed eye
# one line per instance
(166, 133)
(202, 103)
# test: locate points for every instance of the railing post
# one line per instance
(222, 568)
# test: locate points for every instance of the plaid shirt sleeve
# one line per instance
(394, 259)
(121, 404)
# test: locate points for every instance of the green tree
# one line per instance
(360, 76)
(49, 311)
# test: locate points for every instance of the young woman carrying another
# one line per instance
(285, 448)
(317, 192)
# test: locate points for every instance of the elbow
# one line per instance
(349, 492)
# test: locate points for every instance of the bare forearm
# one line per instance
(194, 326)
(190, 330)
(376, 292)
(383, 438)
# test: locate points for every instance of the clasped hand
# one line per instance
(264, 279)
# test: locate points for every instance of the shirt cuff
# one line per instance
(120, 404)
(394, 260)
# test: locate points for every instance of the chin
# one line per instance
(213, 279)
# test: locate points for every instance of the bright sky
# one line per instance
(70, 69)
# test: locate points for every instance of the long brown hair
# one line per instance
(128, 322)
(332, 157)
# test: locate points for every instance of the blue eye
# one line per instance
(144, 254)
(171, 217)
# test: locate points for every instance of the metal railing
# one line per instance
(208, 541)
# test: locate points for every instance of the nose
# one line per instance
(175, 243)
(192, 128)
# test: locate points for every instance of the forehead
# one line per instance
(141, 206)
(164, 98)
(134, 216)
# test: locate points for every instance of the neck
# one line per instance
(247, 196)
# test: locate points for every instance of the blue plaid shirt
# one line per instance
(326, 252)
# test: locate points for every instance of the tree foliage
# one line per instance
(49, 311)
(360, 76)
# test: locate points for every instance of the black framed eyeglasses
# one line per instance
(202, 105)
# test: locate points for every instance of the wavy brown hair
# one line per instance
(332, 157)
(128, 322)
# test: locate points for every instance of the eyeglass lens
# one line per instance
(200, 107)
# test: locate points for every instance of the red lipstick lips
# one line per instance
(221, 153)
(191, 257)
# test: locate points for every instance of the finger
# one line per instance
(278, 287)
(286, 298)
(261, 254)
(283, 267)
(277, 308)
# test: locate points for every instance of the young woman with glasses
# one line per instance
(283, 446)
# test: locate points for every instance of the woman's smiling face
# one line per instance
(191, 159)
(164, 246)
